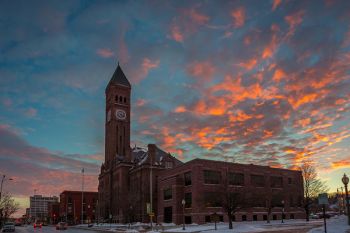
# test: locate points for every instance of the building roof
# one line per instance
(119, 78)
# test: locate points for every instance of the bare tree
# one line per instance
(312, 185)
(232, 201)
(8, 206)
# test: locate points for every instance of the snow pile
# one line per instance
(334, 225)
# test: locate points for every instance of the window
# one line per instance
(274, 217)
(255, 217)
(289, 180)
(188, 200)
(244, 217)
(116, 98)
(276, 199)
(212, 199)
(168, 164)
(120, 98)
(236, 178)
(257, 180)
(211, 177)
(291, 216)
(265, 217)
(168, 194)
(188, 178)
(276, 181)
(124, 100)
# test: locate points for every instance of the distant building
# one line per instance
(137, 183)
(70, 206)
(39, 206)
(53, 212)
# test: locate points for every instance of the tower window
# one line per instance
(124, 99)
(116, 98)
(120, 99)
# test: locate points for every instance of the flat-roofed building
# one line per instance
(205, 184)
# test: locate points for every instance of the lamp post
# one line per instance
(282, 211)
(183, 214)
(345, 181)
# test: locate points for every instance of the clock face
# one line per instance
(120, 114)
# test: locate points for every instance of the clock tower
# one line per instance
(117, 126)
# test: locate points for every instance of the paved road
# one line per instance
(49, 229)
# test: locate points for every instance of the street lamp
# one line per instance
(183, 214)
(282, 210)
(345, 181)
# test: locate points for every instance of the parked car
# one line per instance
(8, 227)
(314, 216)
(61, 226)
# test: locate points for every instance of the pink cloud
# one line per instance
(293, 21)
(203, 71)
(238, 16)
(176, 34)
(147, 64)
(106, 53)
(275, 4)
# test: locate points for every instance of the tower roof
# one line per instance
(119, 78)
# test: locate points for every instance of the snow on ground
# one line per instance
(334, 225)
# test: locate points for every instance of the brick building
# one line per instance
(136, 181)
(203, 185)
(70, 206)
(53, 212)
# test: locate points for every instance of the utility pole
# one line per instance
(82, 198)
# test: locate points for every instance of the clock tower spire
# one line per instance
(117, 126)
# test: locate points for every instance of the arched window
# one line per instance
(120, 99)
(116, 98)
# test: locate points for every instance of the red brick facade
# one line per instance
(289, 188)
(70, 206)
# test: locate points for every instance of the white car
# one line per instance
(9, 226)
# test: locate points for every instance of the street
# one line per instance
(48, 229)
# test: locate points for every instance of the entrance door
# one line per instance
(168, 214)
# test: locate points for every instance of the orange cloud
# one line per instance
(180, 109)
(202, 70)
(278, 75)
(249, 65)
(341, 164)
(238, 16)
(275, 4)
(146, 66)
(106, 53)
(198, 17)
(293, 21)
(176, 34)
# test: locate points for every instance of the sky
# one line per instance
(263, 82)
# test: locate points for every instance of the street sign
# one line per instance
(323, 199)
(151, 214)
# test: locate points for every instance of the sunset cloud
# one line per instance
(238, 16)
(106, 53)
